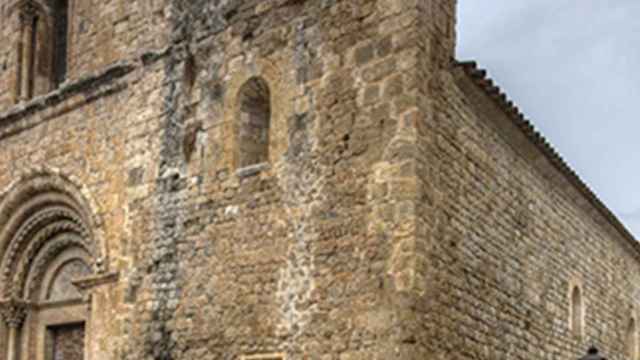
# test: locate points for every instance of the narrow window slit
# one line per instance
(577, 311)
(61, 32)
(254, 121)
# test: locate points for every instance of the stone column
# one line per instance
(28, 15)
(19, 60)
(14, 314)
(88, 328)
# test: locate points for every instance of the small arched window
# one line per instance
(577, 310)
(632, 340)
(254, 121)
(43, 47)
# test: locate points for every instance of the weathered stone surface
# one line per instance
(391, 210)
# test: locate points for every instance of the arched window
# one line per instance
(29, 15)
(253, 123)
(576, 310)
(60, 35)
(43, 47)
(632, 340)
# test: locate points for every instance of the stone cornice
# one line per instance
(87, 283)
(107, 81)
(92, 87)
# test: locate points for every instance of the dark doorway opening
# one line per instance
(66, 342)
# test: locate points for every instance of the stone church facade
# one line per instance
(286, 179)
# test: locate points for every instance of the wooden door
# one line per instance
(68, 342)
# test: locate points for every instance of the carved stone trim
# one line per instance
(39, 268)
(90, 282)
(36, 243)
(41, 194)
(28, 12)
(87, 284)
(28, 226)
(14, 312)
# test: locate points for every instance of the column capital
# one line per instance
(14, 312)
(28, 11)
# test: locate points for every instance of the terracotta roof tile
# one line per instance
(481, 79)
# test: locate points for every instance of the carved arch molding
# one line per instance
(50, 257)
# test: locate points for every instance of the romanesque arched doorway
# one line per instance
(48, 251)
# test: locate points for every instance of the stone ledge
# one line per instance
(252, 170)
(91, 87)
(58, 304)
(274, 356)
(93, 281)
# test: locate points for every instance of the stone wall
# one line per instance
(511, 237)
(395, 216)
(98, 129)
(100, 34)
(216, 261)
(8, 54)
(278, 258)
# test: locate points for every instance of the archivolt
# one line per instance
(42, 215)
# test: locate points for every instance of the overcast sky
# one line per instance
(573, 68)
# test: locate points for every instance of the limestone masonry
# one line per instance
(286, 180)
